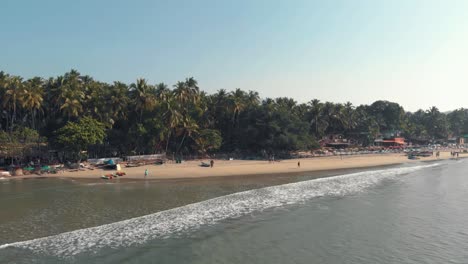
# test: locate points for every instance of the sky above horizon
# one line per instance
(413, 52)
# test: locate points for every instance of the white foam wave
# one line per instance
(166, 223)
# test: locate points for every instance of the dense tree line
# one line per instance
(76, 112)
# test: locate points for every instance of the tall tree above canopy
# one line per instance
(388, 115)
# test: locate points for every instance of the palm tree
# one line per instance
(349, 120)
(316, 109)
(143, 96)
(12, 97)
(189, 127)
(118, 100)
(436, 123)
(253, 98)
(32, 97)
(69, 94)
(172, 116)
(194, 90)
(187, 92)
(162, 91)
(71, 106)
(3, 83)
(238, 103)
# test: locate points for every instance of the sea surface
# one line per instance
(413, 213)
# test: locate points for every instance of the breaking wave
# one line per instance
(167, 223)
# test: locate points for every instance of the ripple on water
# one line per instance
(186, 218)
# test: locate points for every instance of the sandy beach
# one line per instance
(225, 168)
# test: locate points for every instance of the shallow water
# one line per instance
(405, 214)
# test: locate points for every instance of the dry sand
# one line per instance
(191, 169)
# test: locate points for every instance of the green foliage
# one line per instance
(19, 142)
(144, 118)
(78, 136)
(208, 140)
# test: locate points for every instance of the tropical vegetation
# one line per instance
(73, 113)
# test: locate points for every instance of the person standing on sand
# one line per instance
(146, 173)
(298, 164)
(211, 163)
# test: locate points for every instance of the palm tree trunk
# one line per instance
(167, 142)
(182, 142)
(316, 126)
(13, 117)
(33, 117)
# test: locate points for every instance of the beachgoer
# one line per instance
(458, 154)
(298, 164)
(146, 173)
(211, 163)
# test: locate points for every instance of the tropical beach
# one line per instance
(226, 168)
(276, 132)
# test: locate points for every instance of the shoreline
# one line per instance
(236, 168)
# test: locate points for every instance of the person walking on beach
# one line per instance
(146, 173)
(298, 164)
(211, 163)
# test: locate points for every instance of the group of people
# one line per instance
(454, 154)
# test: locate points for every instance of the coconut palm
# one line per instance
(172, 116)
(188, 127)
(72, 106)
(187, 92)
(143, 97)
(317, 117)
(118, 100)
(70, 94)
(238, 103)
(12, 97)
(193, 89)
(349, 116)
(253, 98)
(32, 98)
(162, 91)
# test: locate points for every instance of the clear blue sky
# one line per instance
(408, 51)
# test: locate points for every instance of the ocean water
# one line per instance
(405, 214)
